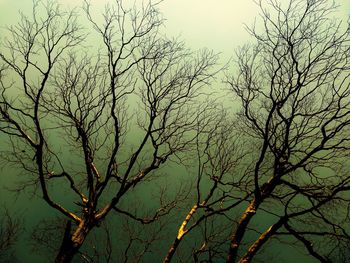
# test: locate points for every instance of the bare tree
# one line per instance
(218, 153)
(89, 130)
(10, 229)
(293, 85)
(58, 100)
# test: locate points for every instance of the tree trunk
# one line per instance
(72, 242)
(172, 250)
(182, 231)
(240, 231)
(264, 237)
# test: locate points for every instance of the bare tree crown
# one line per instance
(90, 126)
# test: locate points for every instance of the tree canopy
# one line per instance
(95, 131)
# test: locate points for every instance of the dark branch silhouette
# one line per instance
(60, 91)
(10, 229)
(97, 130)
(293, 85)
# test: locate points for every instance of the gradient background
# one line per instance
(213, 24)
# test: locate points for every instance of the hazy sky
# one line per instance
(216, 24)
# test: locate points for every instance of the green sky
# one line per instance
(216, 24)
(201, 23)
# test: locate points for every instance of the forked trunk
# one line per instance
(181, 233)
